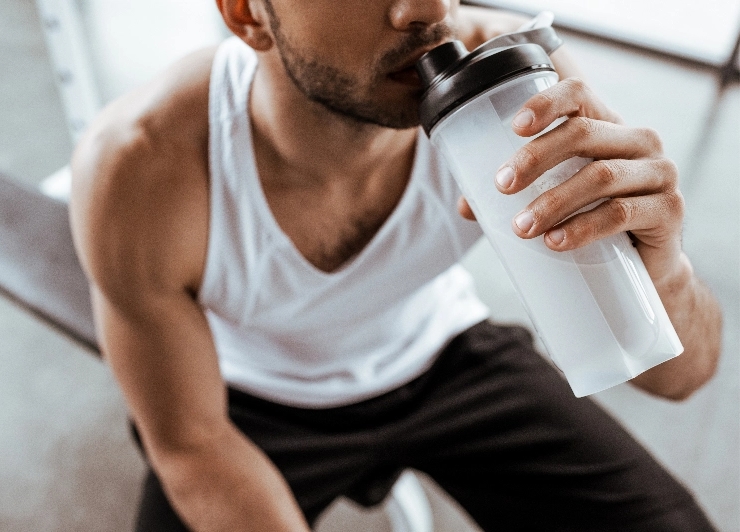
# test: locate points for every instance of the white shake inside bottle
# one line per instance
(595, 309)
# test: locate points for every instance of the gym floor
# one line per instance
(66, 460)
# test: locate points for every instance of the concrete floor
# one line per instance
(66, 461)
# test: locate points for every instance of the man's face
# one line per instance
(356, 57)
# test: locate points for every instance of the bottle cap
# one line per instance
(450, 76)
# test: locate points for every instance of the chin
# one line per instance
(400, 112)
(396, 120)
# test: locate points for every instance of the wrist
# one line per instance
(677, 280)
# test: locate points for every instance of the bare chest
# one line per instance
(331, 228)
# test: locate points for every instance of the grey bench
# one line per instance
(38, 266)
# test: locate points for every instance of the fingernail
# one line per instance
(505, 177)
(524, 118)
(524, 221)
(556, 236)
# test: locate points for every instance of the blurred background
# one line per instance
(66, 460)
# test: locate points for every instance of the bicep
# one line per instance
(140, 225)
(161, 352)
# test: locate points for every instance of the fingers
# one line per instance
(589, 133)
(582, 137)
(571, 97)
(654, 219)
(628, 169)
(616, 178)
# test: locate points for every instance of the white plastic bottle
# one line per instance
(595, 308)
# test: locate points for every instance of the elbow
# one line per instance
(703, 376)
(701, 373)
(686, 374)
(681, 394)
(678, 379)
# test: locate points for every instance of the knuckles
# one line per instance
(675, 203)
(650, 139)
(541, 102)
(575, 85)
(620, 212)
(583, 127)
(668, 171)
(605, 173)
(550, 204)
(529, 157)
(569, 89)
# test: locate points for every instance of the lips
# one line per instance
(407, 74)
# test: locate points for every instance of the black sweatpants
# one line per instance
(493, 424)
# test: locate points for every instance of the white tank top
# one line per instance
(289, 332)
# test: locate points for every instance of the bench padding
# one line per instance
(38, 265)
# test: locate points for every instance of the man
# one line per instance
(272, 244)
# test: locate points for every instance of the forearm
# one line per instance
(697, 318)
(227, 484)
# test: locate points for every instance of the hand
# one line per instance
(629, 168)
(641, 185)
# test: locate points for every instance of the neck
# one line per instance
(301, 142)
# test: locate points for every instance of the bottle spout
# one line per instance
(438, 60)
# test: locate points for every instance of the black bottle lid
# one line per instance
(451, 76)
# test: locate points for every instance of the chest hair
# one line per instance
(340, 245)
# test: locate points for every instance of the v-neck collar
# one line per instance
(260, 200)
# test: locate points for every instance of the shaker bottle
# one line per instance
(595, 309)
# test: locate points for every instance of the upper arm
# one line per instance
(139, 213)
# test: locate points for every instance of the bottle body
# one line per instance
(595, 308)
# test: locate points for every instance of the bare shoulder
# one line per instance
(139, 206)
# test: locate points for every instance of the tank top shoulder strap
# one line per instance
(235, 237)
(231, 76)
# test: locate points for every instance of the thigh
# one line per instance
(322, 453)
(319, 465)
(503, 434)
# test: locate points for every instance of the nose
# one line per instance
(406, 14)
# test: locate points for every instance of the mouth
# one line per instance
(407, 74)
